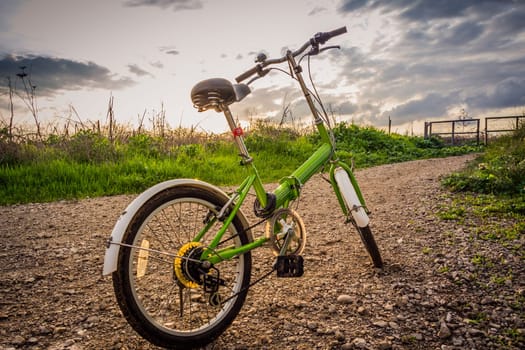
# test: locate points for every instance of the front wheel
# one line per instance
(370, 244)
(160, 284)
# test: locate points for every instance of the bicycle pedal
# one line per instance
(289, 266)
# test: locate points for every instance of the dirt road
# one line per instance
(430, 295)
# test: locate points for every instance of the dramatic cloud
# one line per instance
(432, 105)
(447, 54)
(51, 75)
(509, 92)
(177, 5)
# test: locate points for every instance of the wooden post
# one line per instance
(486, 131)
(477, 133)
(453, 130)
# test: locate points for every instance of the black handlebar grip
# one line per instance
(247, 74)
(321, 38)
(336, 32)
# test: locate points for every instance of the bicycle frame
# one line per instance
(289, 187)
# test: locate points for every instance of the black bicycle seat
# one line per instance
(212, 93)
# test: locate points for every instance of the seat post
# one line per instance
(237, 135)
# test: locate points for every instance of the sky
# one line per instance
(407, 60)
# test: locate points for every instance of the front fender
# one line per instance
(112, 250)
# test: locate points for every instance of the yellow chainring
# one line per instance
(177, 265)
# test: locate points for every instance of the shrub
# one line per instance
(500, 170)
(90, 147)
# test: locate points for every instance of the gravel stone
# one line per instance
(444, 332)
(345, 299)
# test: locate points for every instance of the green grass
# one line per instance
(500, 170)
(88, 164)
(369, 146)
(493, 187)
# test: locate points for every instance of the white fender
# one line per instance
(351, 198)
(112, 251)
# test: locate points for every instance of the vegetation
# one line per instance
(494, 184)
(368, 146)
(94, 163)
(500, 170)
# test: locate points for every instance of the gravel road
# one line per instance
(432, 294)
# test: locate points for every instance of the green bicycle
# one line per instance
(180, 254)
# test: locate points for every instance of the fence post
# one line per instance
(486, 131)
(453, 131)
(477, 133)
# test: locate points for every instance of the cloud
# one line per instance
(439, 55)
(342, 108)
(463, 33)
(507, 93)
(353, 5)
(133, 68)
(427, 10)
(317, 10)
(510, 22)
(433, 105)
(266, 102)
(157, 64)
(169, 50)
(51, 75)
(177, 5)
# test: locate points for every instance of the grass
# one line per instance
(89, 163)
(500, 170)
(493, 191)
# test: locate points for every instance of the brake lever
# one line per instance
(261, 73)
(315, 50)
(330, 47)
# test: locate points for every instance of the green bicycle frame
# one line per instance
(289, 187)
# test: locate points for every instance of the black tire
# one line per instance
(146, 287)
(370, 244)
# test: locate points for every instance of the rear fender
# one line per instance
(113, 247)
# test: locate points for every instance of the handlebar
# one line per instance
(318, 39)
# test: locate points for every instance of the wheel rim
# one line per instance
(155, 290)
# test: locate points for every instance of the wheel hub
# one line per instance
(187, 266)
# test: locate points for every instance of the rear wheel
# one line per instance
(370, 244)
(160, 284)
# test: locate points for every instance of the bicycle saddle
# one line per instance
(212, 93)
